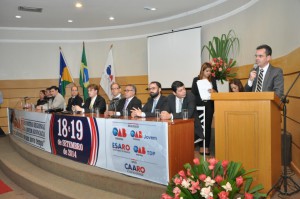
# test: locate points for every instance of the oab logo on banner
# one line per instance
(119, 133)
(75, 138)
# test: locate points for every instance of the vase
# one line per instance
(223, 87)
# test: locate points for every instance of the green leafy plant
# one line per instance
(213, 179)
(221, 48)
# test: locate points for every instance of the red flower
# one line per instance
(223, 195)
(248, 196)
(202, 177)
(239, 181)
(224, 164)
(165, 196)
(182, 174)
(196, 161)
(218, 179)
(177, 181)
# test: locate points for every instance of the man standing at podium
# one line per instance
(265, 77)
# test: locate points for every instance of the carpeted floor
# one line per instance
(4, 188)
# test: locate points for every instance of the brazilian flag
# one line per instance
(84, 75)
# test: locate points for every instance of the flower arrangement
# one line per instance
(212, 179)
(221, 68)
(220, 49)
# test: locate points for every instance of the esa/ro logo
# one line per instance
(121, 133)
(121, 147)
(136, 134)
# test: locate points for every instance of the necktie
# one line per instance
(125, 105)
(260, 81)
(179, 106)
(153, 106)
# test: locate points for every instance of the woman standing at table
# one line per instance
(205, 73)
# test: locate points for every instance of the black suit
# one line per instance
(114, 103)
(99, 103)
(209, 108)
(188, 103)
(161, 105)
(134, 102)
(77, 100)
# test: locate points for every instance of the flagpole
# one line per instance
(60, 49)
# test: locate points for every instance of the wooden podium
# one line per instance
(247, 130)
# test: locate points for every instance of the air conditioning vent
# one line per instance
(30, 9)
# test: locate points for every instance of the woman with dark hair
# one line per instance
(42, 98)
(235, 85)
(205, 73)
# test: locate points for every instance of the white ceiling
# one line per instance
(95, 13)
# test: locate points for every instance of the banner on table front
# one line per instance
(138, 148)
(30, 127)
(76, 138)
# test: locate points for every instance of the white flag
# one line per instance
(108, 75)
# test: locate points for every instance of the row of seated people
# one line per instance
(170, 107)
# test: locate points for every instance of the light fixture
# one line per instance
(149, 8)
(70, 21)
(78, 5)
(111, 18)
(18, 17)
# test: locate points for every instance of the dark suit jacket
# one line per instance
(77, 100)
(195, 90)
(273, 81)
(188, 103)
(161, 104)
(135, 102)
(99, 103)
(113, 104)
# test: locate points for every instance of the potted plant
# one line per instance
(213, 179)
(219, 50)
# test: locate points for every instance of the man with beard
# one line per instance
(155, 101)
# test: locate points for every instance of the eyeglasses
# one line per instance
(127, 90)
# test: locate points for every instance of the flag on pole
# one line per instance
(84, 75)
(108, 75)
(65, 77)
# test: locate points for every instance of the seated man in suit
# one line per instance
(56, 102)
(129, 102)
(155, 101)
(93, 101)
(177, 101)
(75, 99)
(116, 96)
(265, 77)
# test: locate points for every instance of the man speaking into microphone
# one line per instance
(264, 76)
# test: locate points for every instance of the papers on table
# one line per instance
(203, 86)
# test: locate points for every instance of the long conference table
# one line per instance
(145, 148)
